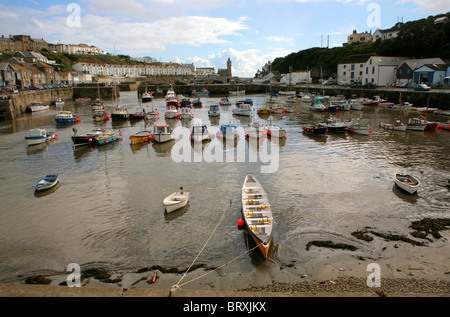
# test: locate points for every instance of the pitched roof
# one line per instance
(362, 58)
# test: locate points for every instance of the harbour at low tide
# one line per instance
(107, 211)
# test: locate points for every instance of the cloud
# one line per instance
(276, 38)
(435, 6)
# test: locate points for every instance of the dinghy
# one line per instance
(176, 200)
(46, 182)
(257, 213)
(407, 182)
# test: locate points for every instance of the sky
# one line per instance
(208, 32)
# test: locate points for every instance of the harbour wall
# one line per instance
(435, 98)
(15, 104)
(93, 92)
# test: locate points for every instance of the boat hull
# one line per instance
(176, 201)
(46, 182)
(67, 120)
(407, 183)
(140, 137)
(119, 116)
(320, 131)
(393, 126)
(162, 138)
(105, 139)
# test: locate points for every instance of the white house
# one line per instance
(351, 69)
(387, 34)
(293, 78)
(380, 70)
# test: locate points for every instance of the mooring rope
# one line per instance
(177, 286)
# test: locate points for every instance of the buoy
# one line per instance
(240, 222)
(90, 140)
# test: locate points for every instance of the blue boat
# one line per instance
(46, 182)
(228, 131)
(64, 117)
(107, 137)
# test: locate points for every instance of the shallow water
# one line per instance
(108, 212)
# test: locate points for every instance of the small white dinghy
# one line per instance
(407, 182)
(46, 182)
(176, 200)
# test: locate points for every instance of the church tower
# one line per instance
(229, 67)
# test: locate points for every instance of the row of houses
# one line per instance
(16, 73)
(27, 43)
(142, 70)
(389, 70)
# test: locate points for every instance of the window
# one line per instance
(370, 62)
(353, 67)
(373, 69)
(367, 70)
(352, 74)
(344, 73)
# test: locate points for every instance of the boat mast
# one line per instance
(400, 108)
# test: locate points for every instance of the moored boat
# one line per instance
(138, 114)
(407, 182)
(162, 133)
(395, 126)
(120, 113)
(37, 106)
(257, 213)
(197, 103)
(65, 117)
(186, 113)
(275, 131)
(444, 126)
(147, 97)
(336, 125)
(243, 110)
(416, 124)
(214, 111)
(200, 133)
(224, 102)
(87, 138)
(255, 130)
(176, 200)
(171, 110)
(107, 137)
(39, 136)
(228, 131)
(59, 101)
(318, 129)
(317, 105)
(100, 115)
(142, 136)
(46, 182)
(359, 126)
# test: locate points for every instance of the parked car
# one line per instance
(355, 84)
(369, 85)
(421, 87)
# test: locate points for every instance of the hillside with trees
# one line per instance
(417, 39)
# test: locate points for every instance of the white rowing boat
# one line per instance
(176, 200)
(407, 182)
(257, 213)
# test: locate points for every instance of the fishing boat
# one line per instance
(37, 106)
(257, 213)
(317, 105)
(214, 111)
(318, 129)
(263, 111)
(140, 137)
(243, 110)
(275, 131)
(87, 138)
(255, 130)
(444, 126)
(176, 200)
(107, 137)
(355, 104)
(65, 117)
(100, 115)
(146, 97)
(59, 101)
(162, 133)
(170, 95)
(407, 182)
(171, 110)
(224, 102)
(197, 103)
(46, 182)
(228, 131)
(186, 113)
(120, 113)
(335, 105)
(39, 136)
(416, 124)
(289, 109)
(359, 126)
(200, 133)
(139, 114)
(336, 125)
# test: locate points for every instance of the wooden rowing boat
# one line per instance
(257, 213)
(176, 200)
